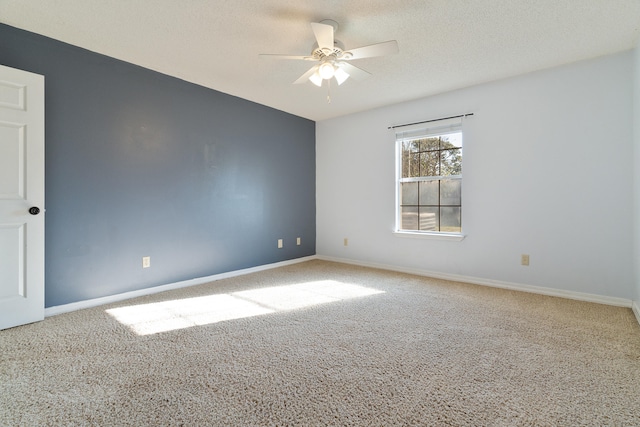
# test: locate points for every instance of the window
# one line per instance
(429, 177)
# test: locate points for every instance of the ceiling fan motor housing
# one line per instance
(319, 53)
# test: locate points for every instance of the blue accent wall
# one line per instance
(142, 164)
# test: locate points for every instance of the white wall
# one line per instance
(548, 172)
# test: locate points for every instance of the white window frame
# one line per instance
(424, 130)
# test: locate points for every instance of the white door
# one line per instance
(21, 188)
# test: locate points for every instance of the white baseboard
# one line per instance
(636, 310)
(66, 308)
(600, 299)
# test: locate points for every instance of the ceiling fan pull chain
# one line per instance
(328, 91)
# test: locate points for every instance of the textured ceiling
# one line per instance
(444, 44)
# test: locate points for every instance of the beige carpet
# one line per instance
(376, 349)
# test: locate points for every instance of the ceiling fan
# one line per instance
(331, 57)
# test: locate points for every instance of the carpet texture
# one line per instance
(377, 349)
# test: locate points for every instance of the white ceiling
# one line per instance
(444, 44)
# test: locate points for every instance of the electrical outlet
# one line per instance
(346, 241)
(146, 261)
(298, 241)
(524, 259)
(280, 244)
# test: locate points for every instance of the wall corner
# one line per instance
(636, 176)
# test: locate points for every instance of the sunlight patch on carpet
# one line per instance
(146, 319)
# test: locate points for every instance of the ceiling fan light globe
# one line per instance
(326, 70)
(341, 76)
(316, 79)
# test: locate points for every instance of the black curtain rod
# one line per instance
(432, 120)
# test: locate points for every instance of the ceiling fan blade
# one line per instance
(353, 71)
(379, 49)
(303, 78)
(324, 35)
(277, 56)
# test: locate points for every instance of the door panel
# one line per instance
(12, 160)
(11, 240)
(21, 187)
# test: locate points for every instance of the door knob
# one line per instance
(34, 210)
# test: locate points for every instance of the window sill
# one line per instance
(431, 236)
